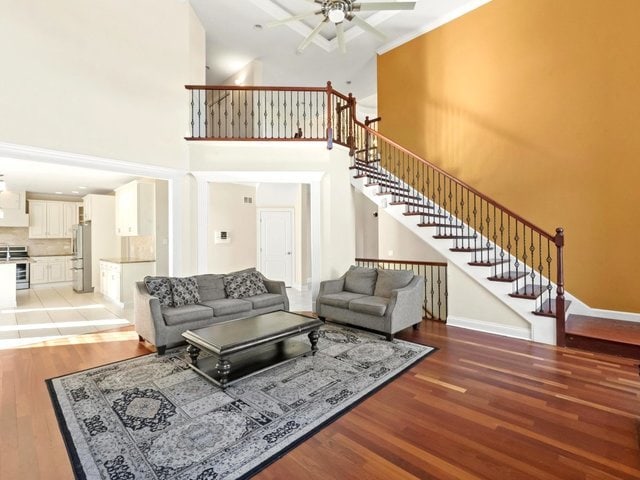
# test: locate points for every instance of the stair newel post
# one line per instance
(560, 320)
(329, 123)
(351, 140)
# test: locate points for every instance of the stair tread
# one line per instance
(509, 276)
(436, 224)
(529, 291)
(386, 185)
(548, 308)
(619, 331)
(412, 204)
(461, 237)
(396, 194)
(490, 262)
(430, 215)
(469, 249)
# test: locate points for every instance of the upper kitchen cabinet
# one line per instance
(51, 219)
(13, 206)
(135, 209)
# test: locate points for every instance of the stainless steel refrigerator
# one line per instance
(81, 261)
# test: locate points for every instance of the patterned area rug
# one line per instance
(154, 418)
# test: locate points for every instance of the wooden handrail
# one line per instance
(454, 179)
(250, 88)
(410, 262)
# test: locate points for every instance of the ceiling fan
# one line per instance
(337, 11)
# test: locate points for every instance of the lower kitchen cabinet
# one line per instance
(118, 278)
(50, 269)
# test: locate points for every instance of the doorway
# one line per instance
(276, 246)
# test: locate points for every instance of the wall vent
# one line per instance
(248, 200)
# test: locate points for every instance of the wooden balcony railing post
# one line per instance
(351, 140)
(366, 140)
(329, 122)
(560, 320)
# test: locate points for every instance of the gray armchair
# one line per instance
(386, 301)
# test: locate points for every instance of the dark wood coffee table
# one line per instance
(247, 346)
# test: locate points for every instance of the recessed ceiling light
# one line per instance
(58, 193)
(75, 191)
(82, 188)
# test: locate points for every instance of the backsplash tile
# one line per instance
(36, 246)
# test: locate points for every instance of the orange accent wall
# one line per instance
(537, 104)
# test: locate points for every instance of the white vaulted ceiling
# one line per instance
(233, 41)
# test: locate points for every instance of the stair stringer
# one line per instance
(541, 329)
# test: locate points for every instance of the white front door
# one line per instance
(276, 245)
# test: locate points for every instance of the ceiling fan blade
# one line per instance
(367, 27)
(293, 18)
(305, 43)
(384, 6)
(340, 32)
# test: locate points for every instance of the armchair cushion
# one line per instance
(389, 280)
(340, 300)
(370, 305)
(186, 313)
(228, 306)
(210, 287)
(265, 300)
(360, 280)
(244, 285)
(184, 291)
(160, 287)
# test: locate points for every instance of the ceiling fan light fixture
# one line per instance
(337, 14)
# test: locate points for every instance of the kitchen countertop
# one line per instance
(15, 260)
(126, 260)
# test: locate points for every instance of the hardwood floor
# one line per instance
(482, 406)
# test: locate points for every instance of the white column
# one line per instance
(316, 241)
(176, 194)
(203, 224)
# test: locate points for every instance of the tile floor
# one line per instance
(51, 312)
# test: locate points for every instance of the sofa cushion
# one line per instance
(186, 313)
(228, 306)
(340, 300)
(369, 305)
(360, 280)
(389, 280)
(244, 285)
(160, 287)
(210, 287)
(265, 300)
(184, 291)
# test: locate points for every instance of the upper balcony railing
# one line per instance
(269, 113)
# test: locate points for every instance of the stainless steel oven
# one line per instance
(20, 257)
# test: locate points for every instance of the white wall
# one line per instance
(395, 242)
(228, 212)
(103, 78)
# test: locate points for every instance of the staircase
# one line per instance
(579, 331)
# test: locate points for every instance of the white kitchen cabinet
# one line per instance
(49, 269)
(117, 279)
(135, 209)
(51, 219)
(70, 217)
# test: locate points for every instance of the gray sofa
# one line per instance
(386, 301)
(163, 325)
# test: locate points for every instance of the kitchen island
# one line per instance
(118, 277)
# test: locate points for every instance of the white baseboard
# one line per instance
(489, 327)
